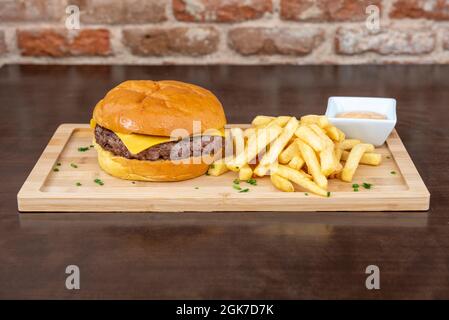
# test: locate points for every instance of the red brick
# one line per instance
(429, 9)
(119, 11)
(91, 42)
(357, 40)
(326, 10)
(220, 10)
(42, 43)
(62, 43)
(192, 41)
(268, 41)
(31, 10)
(446, 39)
(2, 43)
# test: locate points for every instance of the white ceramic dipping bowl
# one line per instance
(367, 130)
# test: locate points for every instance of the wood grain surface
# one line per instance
(272, 255)
(52, 185)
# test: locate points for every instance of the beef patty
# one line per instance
(186, 148)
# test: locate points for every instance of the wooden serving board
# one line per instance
(47, 190)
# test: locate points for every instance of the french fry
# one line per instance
(354, 159)
(348, 144)
(276, 147)
(255, 144)
(338, 166)
(311, 138)
(327, 161)
(287, 155)
(322, 134)
(245, 172)
(342, 135)
(261, 121)
(249, 132)
(369, 158)
(281, 183)
(218, 168)
(337, 171)
(238, 140)
(313, 165)
(321, 121)
(280, 121)
(298, 178)
(306, 175)
(296, 162)
(332, 132)
(338, 153)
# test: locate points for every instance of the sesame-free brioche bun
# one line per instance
(158, 107)
(160, 170)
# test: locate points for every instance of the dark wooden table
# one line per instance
(225, 255)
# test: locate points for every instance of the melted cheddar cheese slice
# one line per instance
(136, 143)
(139, 142)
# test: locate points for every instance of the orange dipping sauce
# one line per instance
(361, 115)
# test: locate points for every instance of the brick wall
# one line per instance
(224, 31)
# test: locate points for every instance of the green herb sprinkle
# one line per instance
(252, 181)
(99, 182)
(367, 185)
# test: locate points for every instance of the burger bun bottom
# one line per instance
(143, 170)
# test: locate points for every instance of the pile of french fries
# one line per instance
(306, 152)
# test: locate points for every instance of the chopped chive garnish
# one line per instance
(328, 194)
(212, 166)
(252, 181)
(55, 169)
(367, 185)
(356, 189)
(244, 190)
(306, 194)
(78, 184)
(83, 149)
(236, 181)
(73, 165)
(58, 164)
(91, 146)
(393, 172)
(99, 182)
(355, 185)
(236, 187)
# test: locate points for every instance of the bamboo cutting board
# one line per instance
(48, 190)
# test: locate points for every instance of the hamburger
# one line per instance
(158, 130)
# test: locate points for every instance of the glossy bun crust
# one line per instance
(158, 108)
(161, 170)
